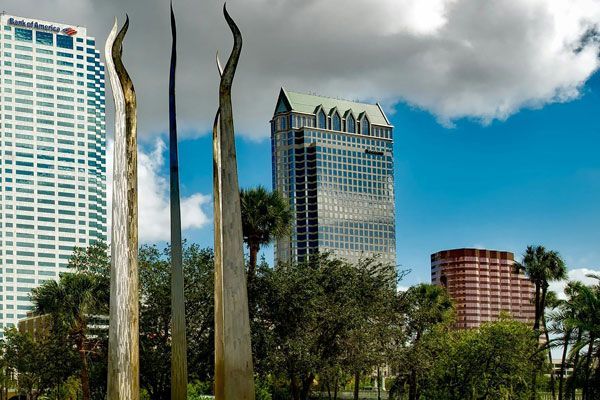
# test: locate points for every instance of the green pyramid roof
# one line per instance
(307, 103)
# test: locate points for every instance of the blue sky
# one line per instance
(532, 179)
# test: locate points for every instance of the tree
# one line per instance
(588, 322)
(428, 308)
(564, 326)
(487, 363)
(93, 259)
(265, 216)
(551, 303)
(311, 314)
(541, 267)
(39, 362)
(72, 301)
(376, 322)
(23, 358)
(155, 314)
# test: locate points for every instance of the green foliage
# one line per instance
(311, 313)
(492, 362)
(262, 389)
(541, 266)
(265, 216)
(316, 325)
(155, 315)
(199, 390)
(73, 301)
(426, 312)
(39, 363)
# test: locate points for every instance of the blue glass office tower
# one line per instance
(52, 156)
(333, 160)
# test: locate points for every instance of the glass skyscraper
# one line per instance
(333, 160)
(52, 154)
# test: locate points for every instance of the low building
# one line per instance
(556, 363)
(37, 325)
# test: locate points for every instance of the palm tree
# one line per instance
(564, 327)
(265, 216)
(588, 322)
(552, 302)
(70, 302)
(541, 266)
(427, 305)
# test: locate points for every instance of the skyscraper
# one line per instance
(333, 160)
(53, 161)
(483, 283)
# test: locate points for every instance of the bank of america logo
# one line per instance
(69, 31)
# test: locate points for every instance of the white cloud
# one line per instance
(578, 274)
(153, 197)
(402, 288)
(455, 58)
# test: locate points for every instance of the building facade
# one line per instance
(483, 283)
(333, 160)
(53, 154)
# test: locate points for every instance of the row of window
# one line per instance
(41, 78)
(311, 136)
(44, 38)
(334, 122)
(45, 60)
(20, 56)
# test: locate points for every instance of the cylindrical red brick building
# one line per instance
(483, 283)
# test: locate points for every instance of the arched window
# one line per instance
(336, 122)
(350, 124)
(364, 126)
(322, 120)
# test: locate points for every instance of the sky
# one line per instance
(495, 107)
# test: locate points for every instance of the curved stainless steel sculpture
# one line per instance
(178, 338)
(234, 378)
(123, 340)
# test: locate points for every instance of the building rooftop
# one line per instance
(472, 252)
(308, 103)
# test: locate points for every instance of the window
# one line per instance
(23, 35)
(322, 120)
(336, 122)
(64, 41)
(23, 57)
(364, 126)
(44, 38)
(350, 124)
(24, 66)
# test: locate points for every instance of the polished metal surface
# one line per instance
(234, 378)
(123, 347)
(178, 341)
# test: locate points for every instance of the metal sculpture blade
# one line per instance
(233, 354)
(178, 341)
(123, 346)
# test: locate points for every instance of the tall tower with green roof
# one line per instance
(333, 160)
